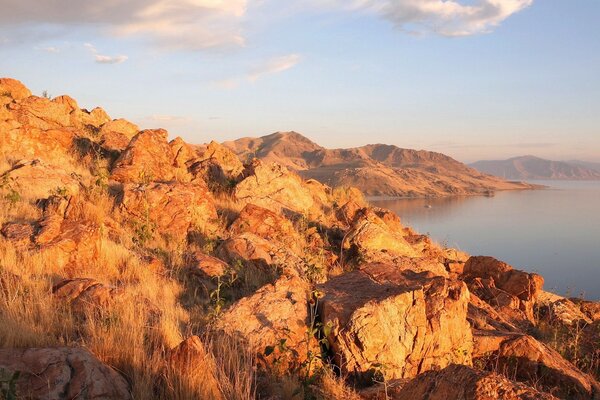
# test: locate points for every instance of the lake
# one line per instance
(554, 232)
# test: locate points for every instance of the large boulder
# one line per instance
(274, 322)
(267, 225)
(148, 158)
(462, 382)
(13, 89)
(203, 265)
(525, 359)
(273, 187)
(406, 322)
(85, 294)
(371, 239)
(500, 285)
(171, 208)
(62, 373)
(116, 134)
(41, 113)
(218, 166)
(252, 249)
(37, 180)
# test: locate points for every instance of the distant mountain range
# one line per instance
(530, 167)
(377, 169)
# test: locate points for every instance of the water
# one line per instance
(554, 232)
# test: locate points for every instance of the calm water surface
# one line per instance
(554, 232)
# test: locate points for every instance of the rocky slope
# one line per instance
(136, 267)
(375, 169)
(530, 167)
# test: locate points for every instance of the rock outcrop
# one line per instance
(406, 322)
(526, 359)
(274, 322)
(148, 158)
(62, 373)
(502, 286)
(273, 187)
(462, 382)
(170, 208)
(371, 239)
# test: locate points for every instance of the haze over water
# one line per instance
(555, 232)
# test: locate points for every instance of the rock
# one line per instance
(62, 373)
(172, 208)
(191, 359)
(116, 134)
(148, 158)
(267, 225)
(346, 213)
(18, 233)
(37, 180)
(495, 274)
(482, 316)
(273, 187)
(53, 146)
(41, 113)
(371, 239)
(465, 383)
(228, 162)
(12, 89)
(564, 312)
(407, 322)
(250, 248)
(526, 359)
(590, 308)
(205, 265)
(274, 323)
(85, 294)
(75, 244)
(96, 118)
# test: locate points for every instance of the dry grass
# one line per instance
(133, 335)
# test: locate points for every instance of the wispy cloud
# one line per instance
(443, 17)
(274, 66)
(50, 49)
(100, 59)
(103, 59)
(271, 66)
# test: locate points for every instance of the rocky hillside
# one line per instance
(134, 267)
(530, 167)
(377, 169)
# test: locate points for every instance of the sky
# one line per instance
(474, 79)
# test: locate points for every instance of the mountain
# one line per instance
(587, 164)
(376, 169)
(530, 167)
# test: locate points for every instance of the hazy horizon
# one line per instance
(476, 80)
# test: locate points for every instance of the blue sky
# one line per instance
(474, 79)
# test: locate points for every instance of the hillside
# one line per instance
(530, 167)
(377, 169)
(136, 266)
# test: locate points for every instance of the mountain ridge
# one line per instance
(532, 167)
(376, 169)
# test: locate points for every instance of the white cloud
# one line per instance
(274, 66)
(443, 17)
(170, 24)
(102, 59)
